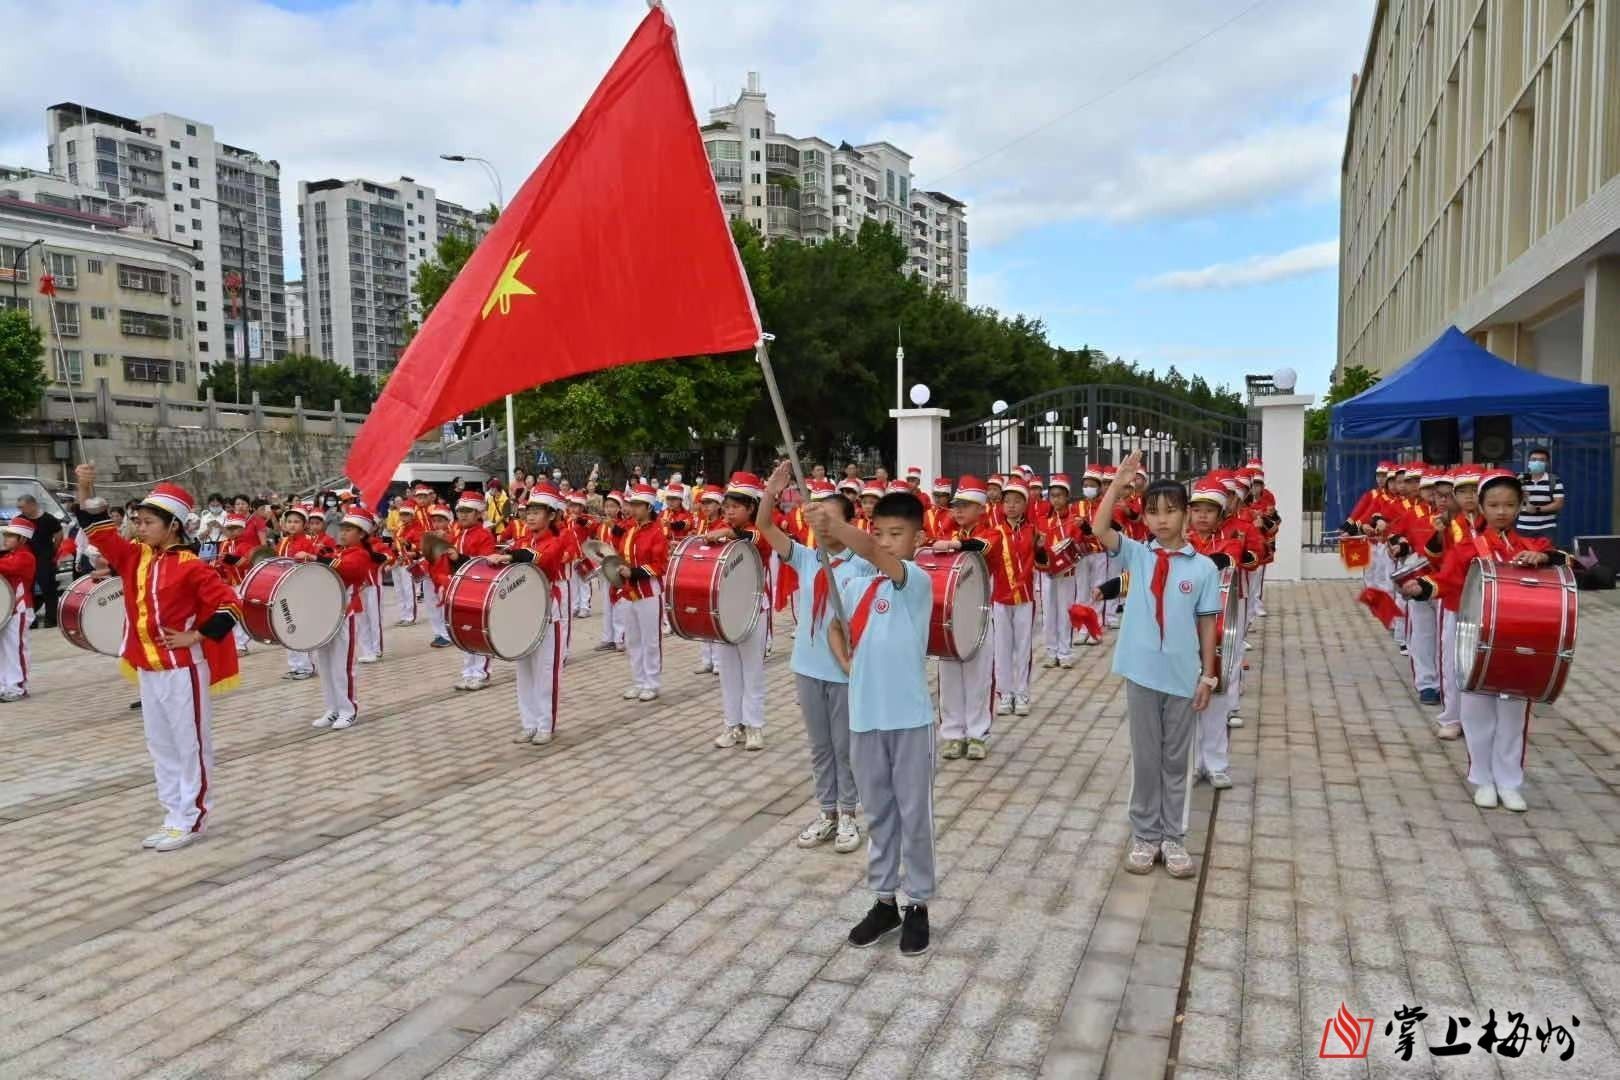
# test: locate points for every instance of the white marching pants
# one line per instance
(1058, 593)
(178, 717)
(1423, 644)
(434, 601)
(1212, 739)
(474, 666)
(405, 593)
(1495, 729)
(300, 661)
(742, 678)
(1012, 626)
(967, 695)
(614, 613)
(583, 585)
(643, 636)
(369, 622)
(538, 676)
(14, 651)
(1452, 711)
(1094, 567)
(334, 663)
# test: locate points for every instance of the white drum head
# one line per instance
(970, 608)
(521, 590)
(102, 618)
(307, 608)
(1231, 628)
(8, 602)
(1470, 613)
(739, 590)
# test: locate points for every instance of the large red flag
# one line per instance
(615, 251)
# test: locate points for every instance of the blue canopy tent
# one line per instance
(1456, 378)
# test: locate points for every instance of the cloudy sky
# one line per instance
(1157, 178)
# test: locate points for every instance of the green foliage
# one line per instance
(22, 366)
(319, 382)
(433, 277)
(1347, 383)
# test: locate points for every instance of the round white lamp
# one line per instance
(1051, 416)
(1112, 427)
(998, 407)
(919, 395)
(1284, 380)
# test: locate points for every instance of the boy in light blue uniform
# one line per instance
(1166, 654)
(822, 684)
(891, 717)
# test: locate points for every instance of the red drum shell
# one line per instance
(1062, 556)
(714, 592)
(92, 615)
(1516, 629)
(960, 621)
(297, 605)
(493, 610)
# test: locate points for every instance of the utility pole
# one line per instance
(241, 265)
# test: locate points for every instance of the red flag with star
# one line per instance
(615, 251)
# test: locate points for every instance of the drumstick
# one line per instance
(763, 353)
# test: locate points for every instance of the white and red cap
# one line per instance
(545, 493)
(615, 496)
(1093, 472)
(942, 485)
(1209, 490)
(676, 490)
(996, 481)
(1016, 485)
(712, 493)
(471, 500)
(1241, 478)
(347, 493)
(898, 487)
(441, 510)
(1497, 476)
(235, 521)
(643, 493)
(577, 498)
(1465, 475)
(914, 473)
(296, 508)
(1060, 480)
(872, 487)
(1431, 476)
(747, 485)
(19, 526)
(317, 514)
(360, 518)
(423, 489)
(971, 489)
(1026, 471)
(172, 499)
(846, 484)
(821, 489)
(1256, 464)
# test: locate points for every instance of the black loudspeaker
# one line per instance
(1493, 439)
(1442, 443)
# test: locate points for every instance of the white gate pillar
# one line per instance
(917, 441)
(1282, 448)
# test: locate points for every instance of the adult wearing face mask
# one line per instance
(1543, 497)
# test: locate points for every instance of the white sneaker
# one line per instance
(1234, 720)
(1259, 611)
(1512, 800)
(476, 684)
(1485, 796)
(647, 695)
(728, 738)
(343, 723)
(1065, 662)
(541, 738)
(703, 668)
(819, 831)
(1220, 780)
(1141, 857)
(1049, 662)
(632, 693)
(173, 840)
(1246, 645)
(754, 739)
(849, 834)
(1448, 730)
(524, 737)
(152, 841)
(324, 720)
(12, 695)
(1004, 706)
(406, 622)
(1177, 862)
(1021, 706)
(367, 659)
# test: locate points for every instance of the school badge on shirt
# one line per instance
(881, 606)
(1186, 587)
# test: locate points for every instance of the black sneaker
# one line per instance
(914, 931)
(882, 919)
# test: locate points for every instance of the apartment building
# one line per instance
(810, 189)
(938, 242)
(297, 323)
(361, 243)
(1481, 185)
(221, 201)
(123, 299)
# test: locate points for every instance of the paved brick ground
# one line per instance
(419, 896)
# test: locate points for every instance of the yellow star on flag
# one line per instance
(508, 286)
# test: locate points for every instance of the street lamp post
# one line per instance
(241, 263)
(500, 203)
(16, 266)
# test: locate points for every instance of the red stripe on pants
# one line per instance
(202, 763)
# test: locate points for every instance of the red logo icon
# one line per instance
(1345, 1035)
(881, 606)
(1186, 587)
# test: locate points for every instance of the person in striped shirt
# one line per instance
(1543, 497)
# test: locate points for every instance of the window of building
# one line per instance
(192, 162)
(180, 207)
(174, 144)
(202, 327)
(72, 147)
(178, 186)
(67, 318)
(175, 164)
(178, 328)
(196, 183)
(143, 324)
(98, 313)
(753, 155)
(102, 358)
(758, 201)
(420, 220)
(191, 129)
(196, 223)
(152, 369)
(202, 305)
(179, 228)
(202, 346)
(196, 245)
(65, 269)
(753, 133)
(69, 366)
(106, 146)
(753, 178)
(140, 279)
(419, 194)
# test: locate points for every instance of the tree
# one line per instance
(22, 367)
(433, 277)
(318, 382)
(1347, 384)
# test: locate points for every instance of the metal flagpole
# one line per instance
(763, 353)
(61, 359)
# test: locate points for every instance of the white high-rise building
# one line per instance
(297, 321)
(939, 245)
(809, 188)
(222, 201)
(361, 244)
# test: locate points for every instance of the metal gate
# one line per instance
(1066, 430)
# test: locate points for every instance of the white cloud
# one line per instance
(378, 88)
(1255, 270)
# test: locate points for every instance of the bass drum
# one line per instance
(1516, 629)
(714, 592)
(8, 602)
(1229, 629)
(297, 605)
(499, 611)
(91, 615)
(960, 621)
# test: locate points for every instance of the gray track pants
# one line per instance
(1162, 761)
(895, 771)
(826, 720)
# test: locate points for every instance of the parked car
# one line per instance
(13, 488)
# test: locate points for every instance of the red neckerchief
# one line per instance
(863, 612)
(1161, 575)
(818, 592)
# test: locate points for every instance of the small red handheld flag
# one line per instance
(1381, 604)
(615, 251)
